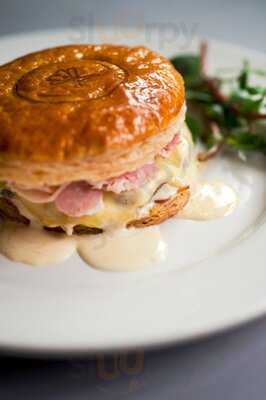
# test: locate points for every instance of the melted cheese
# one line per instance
(117, 249)
(178, 169)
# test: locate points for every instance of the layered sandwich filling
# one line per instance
(113, 202)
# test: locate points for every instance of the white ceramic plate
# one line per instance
(214, 276)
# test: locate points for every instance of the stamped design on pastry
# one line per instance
(78, 80)
(67, 75)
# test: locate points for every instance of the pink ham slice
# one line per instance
(45, 194)
(88, 194)
(170, 146)
(79, 199)
(129, 180)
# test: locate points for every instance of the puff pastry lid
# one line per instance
(76, 102)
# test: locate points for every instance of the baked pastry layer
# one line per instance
(93, 169)
(70, 104)
(162, 211)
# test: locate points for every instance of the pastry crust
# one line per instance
(66, 109)
(94, 169)
(162, 211)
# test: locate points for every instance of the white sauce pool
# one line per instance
(210, 201)
(121, 250)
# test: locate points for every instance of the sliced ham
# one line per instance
(79, 199)
(129, 180)
(45, 194)
(170, 146)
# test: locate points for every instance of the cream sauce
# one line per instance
(117, 250)
(122, 250)
(126, 250)
(210, 201)
(34, 246)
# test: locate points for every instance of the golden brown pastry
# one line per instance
(88, 133)
(163, 210)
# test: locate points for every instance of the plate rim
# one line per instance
(255, 312)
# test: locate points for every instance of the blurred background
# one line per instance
(239, 21)
(230, 366)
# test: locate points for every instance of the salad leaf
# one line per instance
(234, 119)
(189, 66)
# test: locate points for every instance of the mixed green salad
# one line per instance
(224, 112)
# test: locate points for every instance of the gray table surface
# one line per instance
(231, 365)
